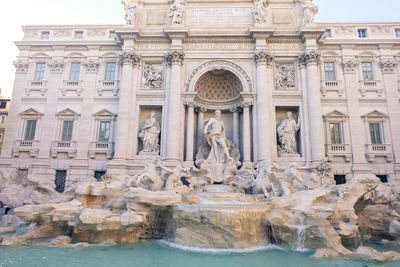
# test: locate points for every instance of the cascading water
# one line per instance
(301, 235)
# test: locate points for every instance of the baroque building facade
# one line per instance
(289, 90)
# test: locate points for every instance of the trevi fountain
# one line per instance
(276, 204)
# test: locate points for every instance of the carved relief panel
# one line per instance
(285, 77)
(153, 75)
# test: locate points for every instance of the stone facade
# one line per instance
(90, 89)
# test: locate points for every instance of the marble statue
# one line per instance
(152, 77)
(286, 76)
(287, 135)
(173, 182)
(309, 11)
(176, 11)
(150, 179)
(259, 11)
(264, 184)
(290, 174)
(149, 135)
(214, 130)
(130, 11)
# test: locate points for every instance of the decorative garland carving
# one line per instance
(91, 66)
(175, 57)
(56, 66)
(388, 66)
(349, 66)
(21, 66)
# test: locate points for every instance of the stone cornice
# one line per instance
(261, 33)
(311, 34)
(175, 57)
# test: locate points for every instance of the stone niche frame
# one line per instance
(144, 113)
(280, 115)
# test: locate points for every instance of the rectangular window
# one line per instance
(376, 133)
(1, 137)
(362, 33)
(104, 133)
(330, 74)
(3, 104)
(67, 128)
(61, 177)
(367, 69)
(3, 119)
(328, 33)
(340, 179)
(98, 175)
(397, 33)
(336, 133)
(30, 129)
(45, 35)
(110, 71)
(75, 71)
(39, 71)
(79, 35)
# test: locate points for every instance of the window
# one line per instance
(39, 71)
(384, 178)
(67, 128)
(3, 104)
(75, 71)
(340, 179)
(368, 73)
(110, 71)
(328, 33)
(98, 175)
(104, 133)
(79, 35)
(330, 74)
(336, 133)
(3, 119)
(1, 137)
(61, 177)
(397, 33)
(362, 33)
(30, 129)
(376, 133)
(45, 35)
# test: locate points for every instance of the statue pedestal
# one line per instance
(220, 188)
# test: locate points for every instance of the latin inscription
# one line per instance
(219, 16)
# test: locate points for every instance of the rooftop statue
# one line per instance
(176, 11)
(309, 11)
(259, 11)
(130, 11)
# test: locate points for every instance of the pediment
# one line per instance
(335, 115)
(104, 113)
(375, 115)
(31, 112)
(67, 112)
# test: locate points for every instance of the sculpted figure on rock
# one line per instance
(149, 134)
(150, 179)
(290, 174)
(287, 135)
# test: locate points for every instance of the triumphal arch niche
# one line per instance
(220, 85)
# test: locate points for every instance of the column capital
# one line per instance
(56, 66)
(190, 103)
(234, 110)
(247, 104)
(310, 57)
(175, 57)
(129, 58)
(21, 66)
(388, 66)
(263, 57)
(201, 109)
(349, 66)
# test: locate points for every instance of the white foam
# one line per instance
(219, 250)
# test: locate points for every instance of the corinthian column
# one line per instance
(236, 127)
(246, 133)
(130, 63)
(173, 100)
(190, 132)
(311, 60)
(264, 87)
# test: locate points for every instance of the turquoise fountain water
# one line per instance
(156, 253)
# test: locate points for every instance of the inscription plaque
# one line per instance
(219, 16)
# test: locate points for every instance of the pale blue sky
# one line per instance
(14, 14)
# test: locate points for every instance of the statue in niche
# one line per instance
(286, 76)
(287, 135)
(176, 11)
(259, 11)
(219, 156)
(149, 134)
(309, 11)
(130, 11)
(152, 78)
(286, 184)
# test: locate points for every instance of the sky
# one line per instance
(16, 13)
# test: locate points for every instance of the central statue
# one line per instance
(219, 157)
